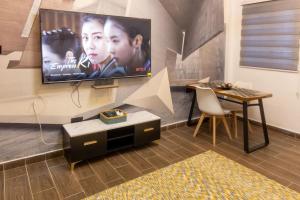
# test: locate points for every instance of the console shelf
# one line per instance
(88, 139)
(120, 137)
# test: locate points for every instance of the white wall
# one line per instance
(283, 109)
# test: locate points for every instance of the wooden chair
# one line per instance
(210, 106)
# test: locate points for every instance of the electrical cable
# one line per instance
(40, 125)
(76, 88)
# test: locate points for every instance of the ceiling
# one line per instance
(181, 11)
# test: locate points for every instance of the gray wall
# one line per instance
(207, 22)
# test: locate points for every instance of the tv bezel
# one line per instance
(91, 79)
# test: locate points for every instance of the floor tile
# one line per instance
(50, 194)
(65, 181)
(104, 170)
(92, 185)
(17, 188)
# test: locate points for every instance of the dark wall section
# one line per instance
(207, 22)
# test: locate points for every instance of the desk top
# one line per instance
(96, 125)
(241, 94)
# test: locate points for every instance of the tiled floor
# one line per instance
(52, 179)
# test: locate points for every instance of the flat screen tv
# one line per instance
(83, 46)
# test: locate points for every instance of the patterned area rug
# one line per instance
(204, 176)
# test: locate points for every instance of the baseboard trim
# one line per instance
(177, 124)
(274, 128)
(30, 159)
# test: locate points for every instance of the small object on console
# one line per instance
(113, 116)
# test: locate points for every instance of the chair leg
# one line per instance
(235, 125)
(226, 126)
(210, 124)
(214, 130)
(199, 124)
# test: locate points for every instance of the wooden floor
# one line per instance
(52, 179)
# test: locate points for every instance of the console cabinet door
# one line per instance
(146, 132)
(88, 146)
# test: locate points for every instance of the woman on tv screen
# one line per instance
(95, 58)
(128, 43)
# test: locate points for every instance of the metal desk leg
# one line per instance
(245, 126)
(189, 122)
(263, 121)
(264, 126)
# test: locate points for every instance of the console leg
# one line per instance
(72, 166)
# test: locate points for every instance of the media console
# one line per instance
(88, 139)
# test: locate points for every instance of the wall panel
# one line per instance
(205, 25)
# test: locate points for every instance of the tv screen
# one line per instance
(83, 46)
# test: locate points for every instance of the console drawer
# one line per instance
(87, 146)
(146, 132)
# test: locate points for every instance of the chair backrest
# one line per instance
(208, 101)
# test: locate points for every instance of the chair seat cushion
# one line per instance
(227, 112)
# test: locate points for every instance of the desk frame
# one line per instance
(245, 104)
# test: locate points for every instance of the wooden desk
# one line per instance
(241, 96)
